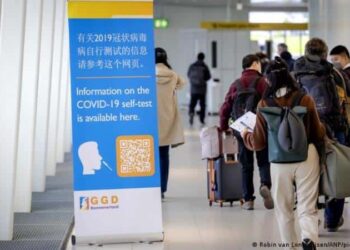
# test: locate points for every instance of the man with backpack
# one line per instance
(198, 74)
(243, 96)
(320, 80)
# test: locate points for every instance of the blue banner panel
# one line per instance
(114, 109)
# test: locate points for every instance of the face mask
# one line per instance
(337, 65)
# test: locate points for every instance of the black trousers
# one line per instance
(194, 100)
(246, 157)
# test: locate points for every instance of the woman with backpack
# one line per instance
(170, 127)
(282, 91)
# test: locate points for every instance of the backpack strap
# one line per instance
(271, 102)
(256, 81)
(297, 99)
(239, 84)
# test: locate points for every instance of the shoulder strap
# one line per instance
(271, 102)
(297, 98)
(238, 84)
(257, 79)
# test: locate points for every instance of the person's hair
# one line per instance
(340, 49)
(283, 46)
(248, 60)
(278, 76)
(162, 57)
(316, 47)
(201, 56)
(264, 60)
(285, 55)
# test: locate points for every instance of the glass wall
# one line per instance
(295, 39)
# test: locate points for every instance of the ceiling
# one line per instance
(208, 3)
(192, 2)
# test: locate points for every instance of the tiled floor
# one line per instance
(190, 223)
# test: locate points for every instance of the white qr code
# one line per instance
(135, 156)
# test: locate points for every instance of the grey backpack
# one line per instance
(287, 140)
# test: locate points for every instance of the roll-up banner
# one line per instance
(114, 115)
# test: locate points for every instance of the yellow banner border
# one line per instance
(110, 9)
(253, 26)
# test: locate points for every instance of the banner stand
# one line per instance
(117, 194)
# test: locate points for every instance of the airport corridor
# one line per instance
(189, 222)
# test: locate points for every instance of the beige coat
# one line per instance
(170, 127)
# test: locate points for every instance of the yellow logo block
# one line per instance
(135, 156)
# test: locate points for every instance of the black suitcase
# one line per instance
(224, 180)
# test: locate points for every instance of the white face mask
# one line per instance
(338, 65)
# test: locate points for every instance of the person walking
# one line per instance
(198, 74)
(283, 90)
(251, 81)
(315, 74)
(340, 58)
(170, 127)
(282, 50)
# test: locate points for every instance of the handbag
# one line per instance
(215, 143)
(335, 178)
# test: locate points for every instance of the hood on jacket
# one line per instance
(164, 74)
(312, 63)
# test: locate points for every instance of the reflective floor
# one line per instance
(190, 224)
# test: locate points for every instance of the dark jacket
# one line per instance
(287, 57)
(247, 78)
(346, 74)
(198, 74)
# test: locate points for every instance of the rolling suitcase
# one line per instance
(224, 177)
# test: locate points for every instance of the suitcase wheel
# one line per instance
(221, 203)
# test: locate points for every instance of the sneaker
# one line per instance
(247, 205)
(308, 244)
(334, 229)
(266, 195)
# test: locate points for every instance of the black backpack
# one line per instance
(246, 99)
(321, 86)
(196, 74)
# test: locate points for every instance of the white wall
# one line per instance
(11, 54)
(184, 39)
(31, 57)
(25, 152)
(329, 20)
(44, 86)
(51, 154)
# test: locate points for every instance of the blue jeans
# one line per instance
(164, 167)
(335, 207)
(246, 157)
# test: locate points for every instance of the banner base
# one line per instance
(115, 239)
